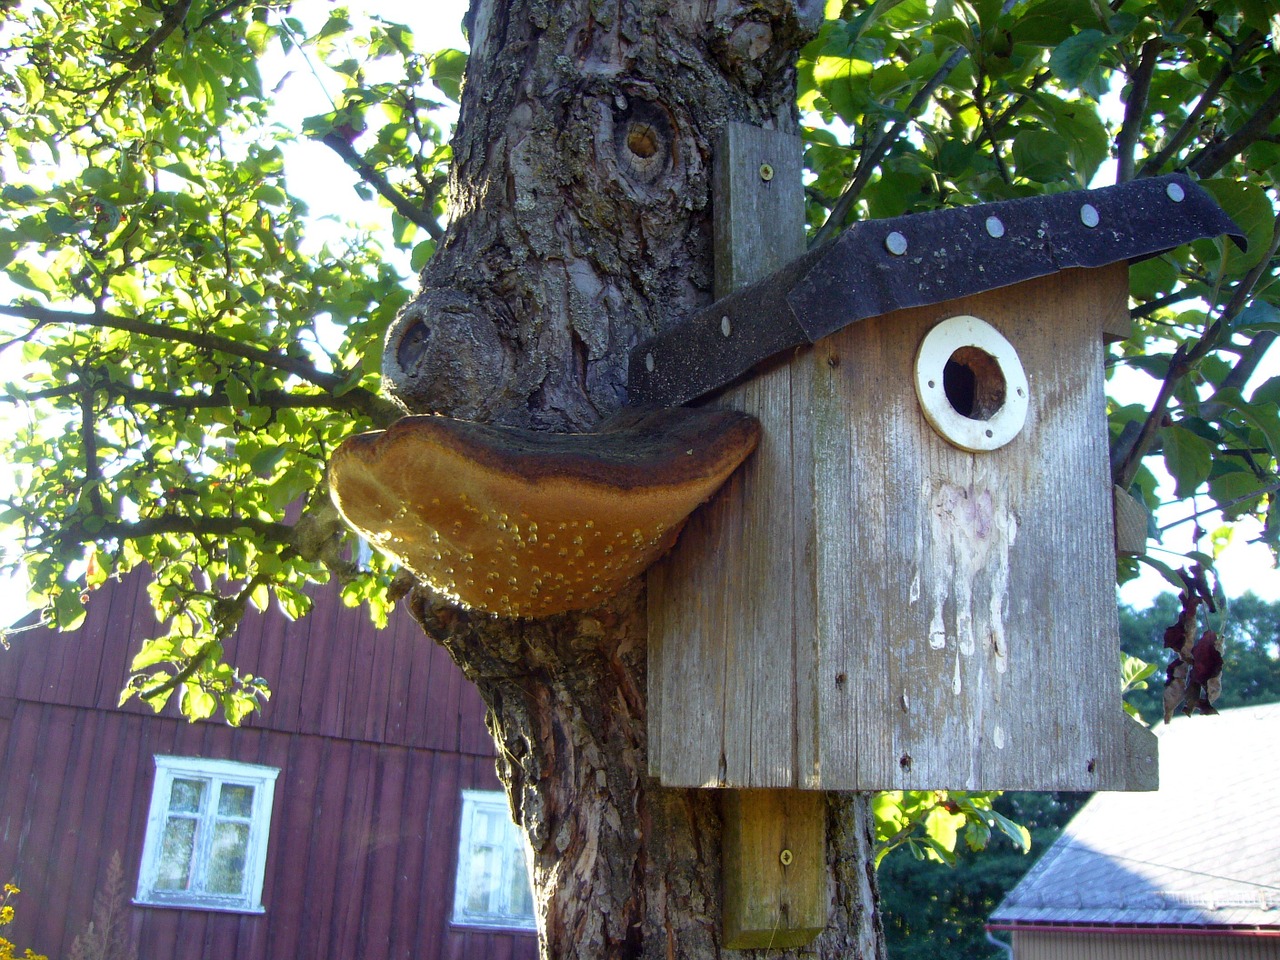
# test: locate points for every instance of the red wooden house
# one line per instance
(355, 816)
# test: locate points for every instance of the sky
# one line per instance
(317, 176)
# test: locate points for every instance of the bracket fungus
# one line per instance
(523, 523)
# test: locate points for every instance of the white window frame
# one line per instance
(514, 857)
(216, 773)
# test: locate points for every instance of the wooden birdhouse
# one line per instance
(911, 585)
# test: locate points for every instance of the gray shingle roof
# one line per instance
(1202, 850)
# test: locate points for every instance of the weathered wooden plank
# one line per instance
(732, 660)
(756, 636)
(407, 894)
(1132, 520)
(313, 634)
(403, 646)
(279, 661)
(387, 839)
(967, 598)
(373, 662)
(126, 629)
(82, 664)
(335, 694)
(294, 815)
(775, 868)
(73, 801)
(442, 816)
(357, 832)
(320, 881)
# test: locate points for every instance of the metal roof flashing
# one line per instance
(879, 266)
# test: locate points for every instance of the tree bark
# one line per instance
(580, 225)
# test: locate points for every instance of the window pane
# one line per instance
(173, 872)
(483, 879)
(235, 800)
(185, 796)
(227, 859)
(519, 897)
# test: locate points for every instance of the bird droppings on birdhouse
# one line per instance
(528, 524)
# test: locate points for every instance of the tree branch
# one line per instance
(1151, 306)
(174, 16)
(1184, 361)
(979, 101)
(1235, 502)
(272, 399)
(870, 160)
(89, 439)
(375, 407)
(1155, 163)
(1217, 155)
(266, 530)
(1135, 110)
(1038, 81)
(403, 206)
(219, 12)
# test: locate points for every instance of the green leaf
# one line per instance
(1016, 832)
(1237, 492)
(158, 650)
(1250, 207)
(1038, 155)
(1134, 673)
(196, 703)
(266, 460)
(422, 252)
(1257, 317)
(1187, 457)
(1073, 60)
(1258, 414)
(447, 68)
(236, 707)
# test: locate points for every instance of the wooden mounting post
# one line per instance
(774, 846)
(774, 861)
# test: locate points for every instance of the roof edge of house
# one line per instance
(1130, 929)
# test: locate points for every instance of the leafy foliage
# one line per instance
(189, 361)
(929, 823)
(932, 909)
(190, 357)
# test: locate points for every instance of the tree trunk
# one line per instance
(580, 225)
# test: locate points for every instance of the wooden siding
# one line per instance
(376, 734)
(360, 863)
(1190, 945)
(332, 673)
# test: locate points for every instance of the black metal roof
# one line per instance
(879, 266)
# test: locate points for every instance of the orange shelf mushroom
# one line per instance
(523, 523)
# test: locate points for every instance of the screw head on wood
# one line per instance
(766, 172)
(1089, 215)
(995, 228)
(896, 243)
(1175, 192)
(786, 857)
(726, 327)
(648, 362)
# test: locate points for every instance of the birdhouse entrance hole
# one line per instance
(971, 384)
